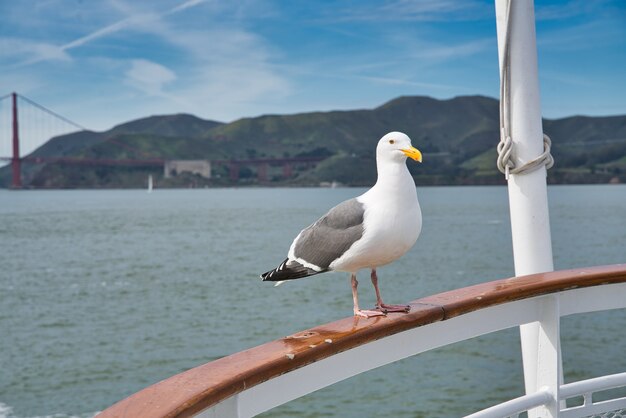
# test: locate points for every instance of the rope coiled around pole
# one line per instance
(505, 146)
(506, 165)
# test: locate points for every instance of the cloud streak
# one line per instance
(438, 53)
(184, 6)
(572, 8)
(416, 10)
(108, 30)
(132, 21)
(16, 49)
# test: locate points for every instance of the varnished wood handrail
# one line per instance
(194, 390)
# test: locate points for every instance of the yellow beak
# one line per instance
(413, 153)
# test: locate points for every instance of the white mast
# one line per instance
(528, 201)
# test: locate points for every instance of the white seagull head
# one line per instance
(396, 146)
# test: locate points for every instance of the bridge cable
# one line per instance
(53, 113)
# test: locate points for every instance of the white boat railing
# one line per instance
(615, 408)
(514, 407)
(586, 389)
(248, 383)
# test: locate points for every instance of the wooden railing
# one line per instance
(255, 380)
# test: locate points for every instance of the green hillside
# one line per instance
(457, 136)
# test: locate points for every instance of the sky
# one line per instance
(104, 62)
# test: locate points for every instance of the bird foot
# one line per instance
(394, 308)
(367, 313)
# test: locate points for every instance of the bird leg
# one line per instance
(355, 298)
(379, 300)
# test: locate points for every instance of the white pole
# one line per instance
(528, 197)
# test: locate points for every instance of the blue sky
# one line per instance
(105, 62)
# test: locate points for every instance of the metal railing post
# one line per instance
(548, 357)
(528, 198)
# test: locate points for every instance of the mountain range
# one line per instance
(458, 138)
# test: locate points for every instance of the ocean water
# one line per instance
(103, 293)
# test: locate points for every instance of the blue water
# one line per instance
(105, 292)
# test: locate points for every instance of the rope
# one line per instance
(505, 146)
(506, 165)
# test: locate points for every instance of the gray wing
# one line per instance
(332, 235)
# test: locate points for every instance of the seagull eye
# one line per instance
(391, 141)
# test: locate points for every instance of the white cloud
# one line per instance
(222, 70)
(219, 68)
(149, 77)
(25, 50)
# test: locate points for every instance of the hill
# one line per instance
(89, 143)
(457, 136)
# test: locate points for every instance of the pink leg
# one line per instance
(355, 299)
(379, 300)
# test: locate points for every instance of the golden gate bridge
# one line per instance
(26, 125)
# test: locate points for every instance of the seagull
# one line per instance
(365, 232)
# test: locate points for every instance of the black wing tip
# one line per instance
(268, 276)
(288, 270)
